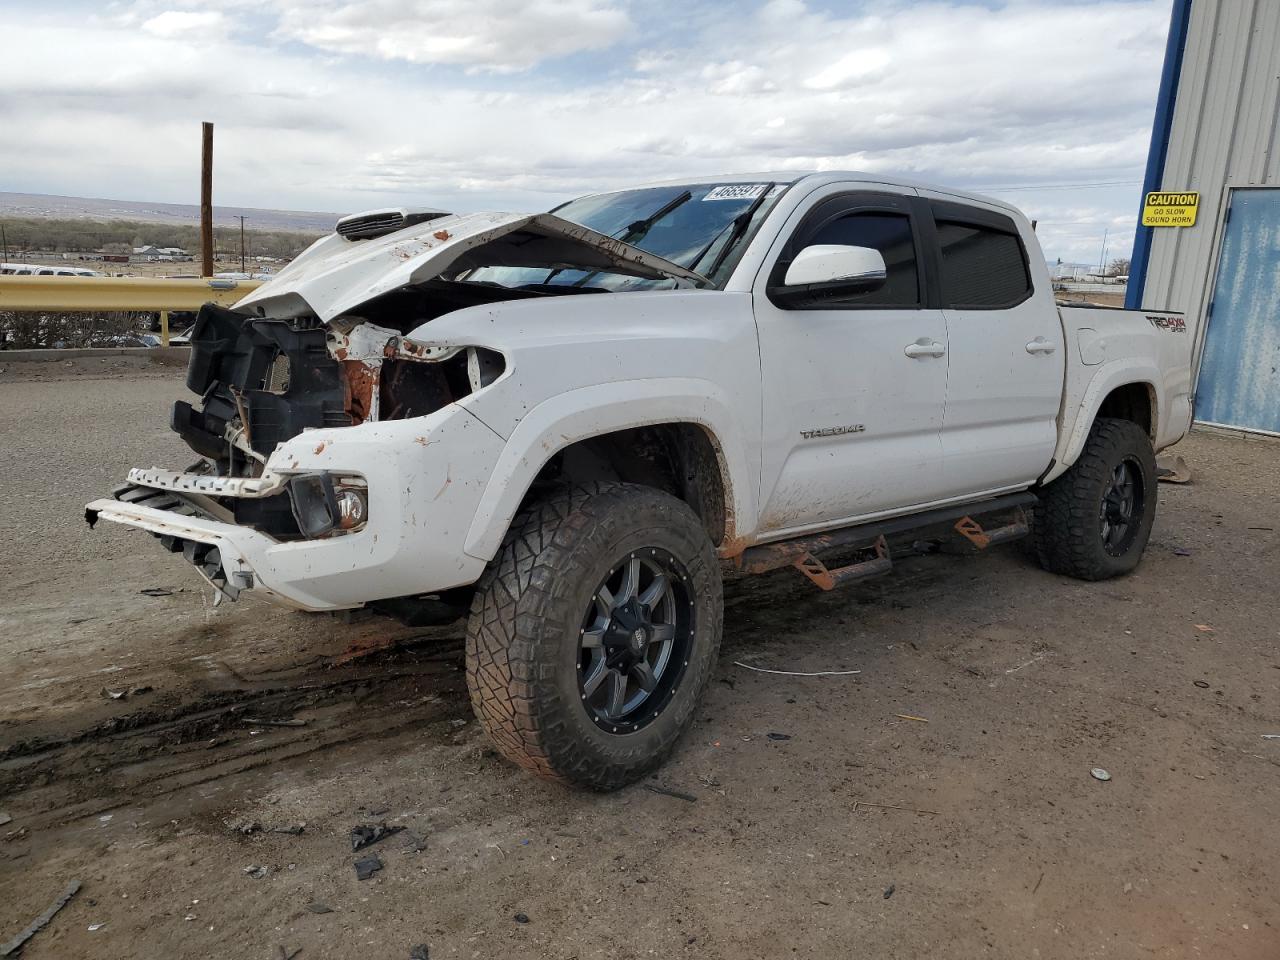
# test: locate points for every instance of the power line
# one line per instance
(1063, 186)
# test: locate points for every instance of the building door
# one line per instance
(1239, 383)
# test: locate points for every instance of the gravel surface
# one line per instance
(975, 831)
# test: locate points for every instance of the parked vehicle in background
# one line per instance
(568, 426)
(44, 270)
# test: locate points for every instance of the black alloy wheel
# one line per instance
(634, 641)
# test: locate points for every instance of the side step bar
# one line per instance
(801, 552)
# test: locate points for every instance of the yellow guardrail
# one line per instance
(119, 294)
(78, 294)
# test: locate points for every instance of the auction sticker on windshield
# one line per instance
(736, 191)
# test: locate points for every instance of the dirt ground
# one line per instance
(976, 831)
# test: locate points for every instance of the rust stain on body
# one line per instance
(361, 381)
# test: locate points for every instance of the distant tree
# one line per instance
(1119, 267)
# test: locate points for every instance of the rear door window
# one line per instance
(984, 264)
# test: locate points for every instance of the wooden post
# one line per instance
(206, 200)
(164, 328)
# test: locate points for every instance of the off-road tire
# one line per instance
(522, 646)
(1067, 533)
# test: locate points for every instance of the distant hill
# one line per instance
(48, 207)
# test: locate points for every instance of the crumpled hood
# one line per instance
(335, 275)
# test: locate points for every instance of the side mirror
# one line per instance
(825, 270)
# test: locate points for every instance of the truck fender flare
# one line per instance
(567, 418)
(1078, 423)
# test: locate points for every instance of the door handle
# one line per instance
(924, 347)
(1041, 345)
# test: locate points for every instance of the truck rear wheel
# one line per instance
(1093, 522)
(593, 633)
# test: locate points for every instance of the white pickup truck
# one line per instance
(567, 426)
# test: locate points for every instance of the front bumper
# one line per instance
(425, 479)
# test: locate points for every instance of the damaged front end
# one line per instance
(316, 409)
(262, 382)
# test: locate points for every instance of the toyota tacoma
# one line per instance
(568, 427)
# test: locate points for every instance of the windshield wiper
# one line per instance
(740, 224)
(637, 230)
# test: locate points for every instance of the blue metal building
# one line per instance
(1217, 132)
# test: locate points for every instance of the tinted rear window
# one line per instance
(981, 267)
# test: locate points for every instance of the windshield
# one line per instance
(704, 227)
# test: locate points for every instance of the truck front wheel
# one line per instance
(593, 633)
(1093, 522)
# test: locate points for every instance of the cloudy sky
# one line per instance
(518, 104)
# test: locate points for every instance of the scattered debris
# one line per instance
(414, 843)
(779, 736)
(1202, 684)
(38, 924)
(95, 927)
(1265, 736)
(707, 780)
(1204, 628)
(892, 806)
(5, 818)
(1038, 882)
(255, 722)
(796, 673)
(124, 693)
(907, 716)
(668, 792)
(318, 907)
(1099, 774)
(156, 592)
(365, 836)
(294, 831)
(1260, 528)
(888, 891)
(521, 918)
(1181, 552)
(246, 827)
(285, 955)
(420, 952)
(1173, 469)
(257, 871)
(367, 867)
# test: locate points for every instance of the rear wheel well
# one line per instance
(1134, 402)
(678, 458)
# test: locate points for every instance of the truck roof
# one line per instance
(821, 178)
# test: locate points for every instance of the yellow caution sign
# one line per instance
(1165, 209)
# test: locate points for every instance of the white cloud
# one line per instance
(489, 35)
(177, 23)
(941, 91)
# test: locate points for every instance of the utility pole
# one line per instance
(4, 242)
(1103, 257)
(206, 200)
(241, 219)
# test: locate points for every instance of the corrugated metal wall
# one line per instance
(1226, 132)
